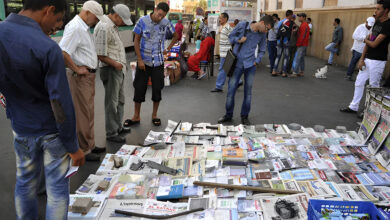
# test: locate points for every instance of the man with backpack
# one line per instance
(283, 36)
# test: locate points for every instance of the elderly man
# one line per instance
(80, 56)
(39, 105)
(112, 57)
(150, 32)
(360, 33)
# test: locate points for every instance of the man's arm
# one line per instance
(361, 61)
(57, 87)
(137, 46)
(101, 46)
(234, 36)
(174, 40)
(81, 70)
(358, 34)
(107, 60)
(339, 37)
(376, 42)
(261, 49)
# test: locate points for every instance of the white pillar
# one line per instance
(258, 7)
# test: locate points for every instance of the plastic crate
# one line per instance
(346, 207)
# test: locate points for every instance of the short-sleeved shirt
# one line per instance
(381, 51)
(204, 30)
(108, 43)
(152, 39)
(224, 44)
(79, 44)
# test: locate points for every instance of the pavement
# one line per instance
(305, 100)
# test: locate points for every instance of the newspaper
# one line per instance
(383, 156)
(382, 130)
(90, 185)
(94, 212)
(182, 164)
(370, 120)
(298, 202)
(135, 205)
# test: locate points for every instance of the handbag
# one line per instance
(231, 59)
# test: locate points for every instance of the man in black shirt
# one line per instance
(374, 57)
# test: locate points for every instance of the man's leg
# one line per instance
(279, 52)
(28, 168)
(355, 58)
(232, 88)
(292, 52)
(140, 84)
(249, 75)
(376, 72)
(221, 75)
(331, 49)
(56, 161)
(121, 100)
(285, 58)
(112, 82)
(302, 60)
(297, 60)
(359, 87)
(157, 86)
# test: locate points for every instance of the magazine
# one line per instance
(298, 202)
(382, 130)
(370, 120)
(135, 205)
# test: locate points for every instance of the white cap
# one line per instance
(370, 21)
(95, 8)
(124, 12)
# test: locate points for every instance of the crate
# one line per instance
(346, 207)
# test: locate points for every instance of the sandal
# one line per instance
(129, 123)
(156, 121)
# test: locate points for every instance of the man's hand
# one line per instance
(336, 46)
(82, 70)
(141, 65)
(242, 40)
(361, 64)
(118, 66)
(77, 157)
(166, 51)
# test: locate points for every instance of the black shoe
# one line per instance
(117, 139)
(124, 131)
(92, 157)
(328, 64)
(216, 90)
(245, 121)
(195, 76)
(224, 119)
(347, 110)
(240, 84)
(98, 150)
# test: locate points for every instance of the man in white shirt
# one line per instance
(81, 59)
(360, 33)
(112, 56)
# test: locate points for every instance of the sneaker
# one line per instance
(202, 76)
(245, 121)
(216, 90)
(224, 119)
(347, 110)
(116, 139)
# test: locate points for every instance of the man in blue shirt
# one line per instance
(246, 63)
(150, 32)
(39, 105)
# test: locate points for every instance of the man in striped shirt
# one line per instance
(224, 47)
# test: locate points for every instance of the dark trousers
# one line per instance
(272, 53)
(293, 50)
(141, 83)
(354, 60)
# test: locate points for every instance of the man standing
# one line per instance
(80, 56)
(39, 105)
(373, 60)
(179, 30)
(149, 40)
(284, 33)
(310, 26)
(360, 33)
(302, 44)
(246, 63)
(112, 56)
(272, 42)
(334, 46)
(224, 47)
(292, 45)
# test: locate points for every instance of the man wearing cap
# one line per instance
(112, 57)
(149, 41)
(80, 57)
(302, 43)
(360, 33)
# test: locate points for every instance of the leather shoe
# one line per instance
(117, 139)
(224, 119)
(98, 150)
(347, 110)
(245, 121)
(216, 90)
(92, 157)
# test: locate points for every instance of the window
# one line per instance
(330, 3)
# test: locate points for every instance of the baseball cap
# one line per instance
(301, 15)
(95, 8)
(370, 21)
(124, 12)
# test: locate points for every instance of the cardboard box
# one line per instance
(173, 70)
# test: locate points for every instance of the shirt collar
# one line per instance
(109, 21)
(150, 18)
(23, 20)
(82, 23)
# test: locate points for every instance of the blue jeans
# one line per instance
(299, 60)
(354, 60)
(221, 75)
(31, 154)
(282, 49)
(331, 48)
(272, 53)
(249, 75)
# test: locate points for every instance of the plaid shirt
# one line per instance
(152, 39)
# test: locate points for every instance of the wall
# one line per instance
(288, 4)
(355, 2)
(272, 4)
(313, 3)
(323, 29)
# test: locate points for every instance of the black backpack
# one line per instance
(285, 31)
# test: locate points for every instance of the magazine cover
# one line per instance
(370, 120)
(292, 207)
(382, 130)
